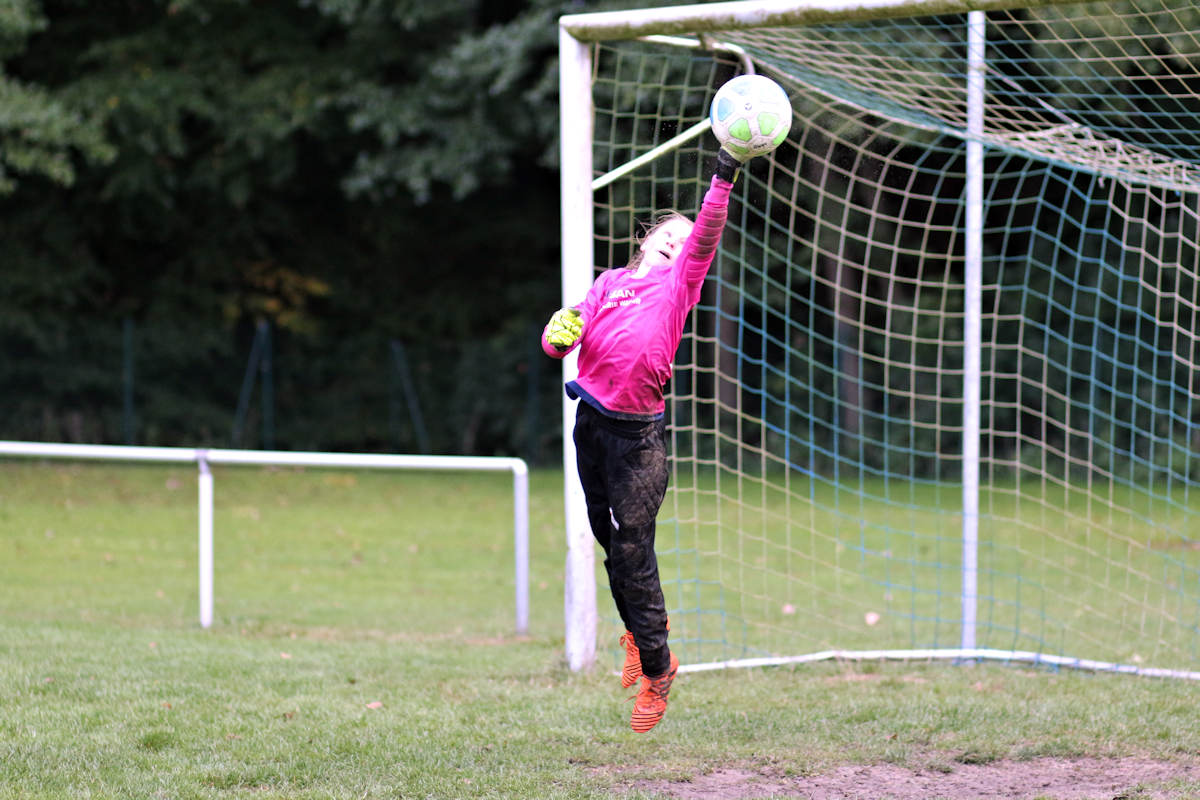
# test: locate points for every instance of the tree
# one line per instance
(344, 169)
(39, 130)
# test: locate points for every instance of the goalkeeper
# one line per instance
(627, 330)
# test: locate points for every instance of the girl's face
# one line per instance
(663, 244)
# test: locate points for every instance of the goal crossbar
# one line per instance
(739, 14)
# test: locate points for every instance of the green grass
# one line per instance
(363, 646)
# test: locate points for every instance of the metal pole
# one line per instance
(400, 363)
(267, 371)
(645, 158)
(575, 112)
(127, 424)
(206, 541)
(972, 325)
(243, 406)
(521, 544)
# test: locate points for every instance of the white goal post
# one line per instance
(578, 184)
(204, 457)
(1095, 401)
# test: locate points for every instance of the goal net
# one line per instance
(939, 398)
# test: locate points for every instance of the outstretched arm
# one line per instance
(710, 222)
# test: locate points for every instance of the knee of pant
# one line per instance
(642, 597)
(627, 554)
(639, 508)
(638, 512)
(632, 562)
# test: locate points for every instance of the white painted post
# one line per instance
(972, 325)
(521, 543)
(575, 171)
(205, 558)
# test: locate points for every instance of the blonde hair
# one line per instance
(662, 219)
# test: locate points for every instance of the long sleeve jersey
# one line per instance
(632, 325)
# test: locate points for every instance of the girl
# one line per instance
(627, 330)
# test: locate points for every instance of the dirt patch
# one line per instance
(1058, 778)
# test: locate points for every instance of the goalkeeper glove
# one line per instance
(564, 329)
(728, 164)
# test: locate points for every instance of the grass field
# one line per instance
(363, 646)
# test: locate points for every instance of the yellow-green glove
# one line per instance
(564, 329)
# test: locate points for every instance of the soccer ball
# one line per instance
(750, 115)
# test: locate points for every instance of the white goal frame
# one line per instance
(577, 184)
(203, 458)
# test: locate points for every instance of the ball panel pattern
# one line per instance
(751, 115)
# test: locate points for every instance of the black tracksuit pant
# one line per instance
(623, 470)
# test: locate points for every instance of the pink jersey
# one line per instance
(632, 325)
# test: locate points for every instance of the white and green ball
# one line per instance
(751, 115)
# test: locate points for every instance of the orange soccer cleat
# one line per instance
(633, 661)
(651, 702)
